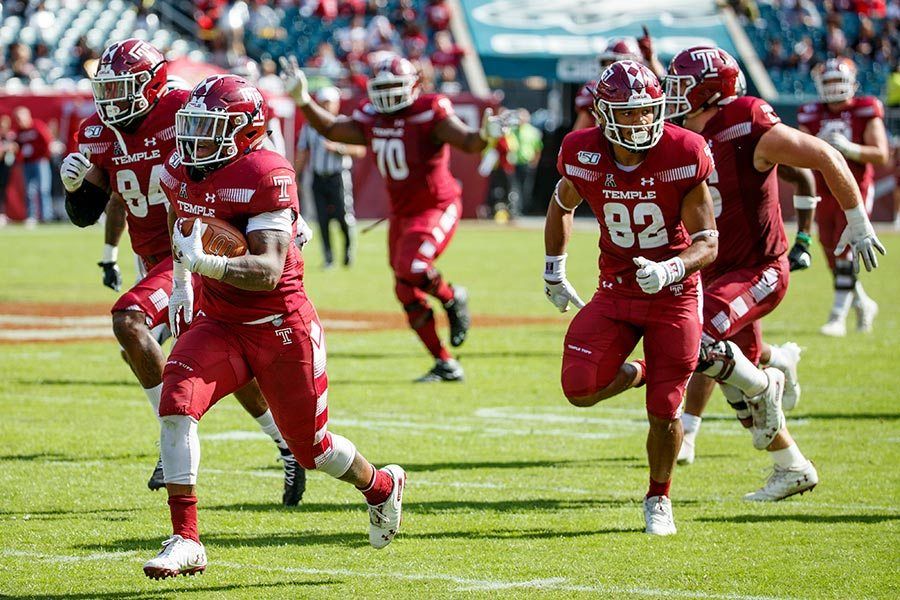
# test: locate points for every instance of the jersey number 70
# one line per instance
(391, 158)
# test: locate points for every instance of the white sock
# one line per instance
(842, 299)
(267, 424)
(153, 395)
(859, 294)
(746, 376)
(690, 423)
(777, 358)
(789, 458)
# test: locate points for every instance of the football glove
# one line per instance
(294, 79)
(493, 127)
(654, 276)
(842, 144)
(74, 167)
(556, 287)
(860, 237)
(189, 251)
(112, 275)
(304, 233)
(181, 300)
(799, 257)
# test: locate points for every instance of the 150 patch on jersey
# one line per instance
(93, 131)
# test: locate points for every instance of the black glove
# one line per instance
(799, 257)
(112, 275)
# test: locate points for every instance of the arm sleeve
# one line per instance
(279, 220)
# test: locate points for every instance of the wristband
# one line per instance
(211, 266)
(674, 269)
(806, 202)
(110, 253)
(555, 267)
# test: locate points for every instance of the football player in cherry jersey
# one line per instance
(409, 133)
(749, 277)
(256, 319)
(645, 180)
(854, 126)
(122, 149)
(640, 50)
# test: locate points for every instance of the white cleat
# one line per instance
(658, 516)
(835, 327)
(791, 382)
(866, 311)
(784, 483)
(179, 556)
(686, 454)
(385, 518)
(765, 409)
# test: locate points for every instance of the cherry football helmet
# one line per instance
(701, 77)
(835, 79)
(620, 49)
(626, 85)
(225, 110)
(394, 85)
(130, 77)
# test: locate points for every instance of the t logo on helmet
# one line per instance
(708, 57)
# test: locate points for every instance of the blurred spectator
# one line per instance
(497, 165)
(866, 40)
(804, 53)
(836, 40)
(327, 10)
(892, 98)
(404, 14)
(381, 35)
(348, 8)
(438, 15)
(34, 140)
(83, 54)
(269, 81)
(528, 152)
(325, 60)
(8, 149)
(355, 30)
(446, 59)
(20, 65)
(870, 8)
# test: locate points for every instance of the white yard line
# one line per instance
(461, 583)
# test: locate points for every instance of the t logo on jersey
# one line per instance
(285, 335)
(588, 158)
(707, 56)
(646, 181)
(610, 181)
(282, 181)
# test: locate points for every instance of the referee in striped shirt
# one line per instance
(331, 185)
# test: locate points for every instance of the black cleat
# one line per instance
(458, 314)
(294, 480)
(443, 370)
(156, 481)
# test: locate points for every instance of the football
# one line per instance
(220, 238)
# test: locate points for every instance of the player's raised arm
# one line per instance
(786, 145)
(805, 201)
(336, 128)
(557, 231)
(456, 133)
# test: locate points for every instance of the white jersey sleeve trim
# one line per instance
(279, 220)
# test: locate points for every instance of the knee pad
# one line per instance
(418, 313)
(179, 447)
(736, 400)
(580, 378)
(337, 459)
(844, 276)
(716, 359)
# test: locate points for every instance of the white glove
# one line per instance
(181, 301)
(654, 276)
(74, 167)
(842, 144)
(557, 288)
(493, 127)
(189, 251)
(304, 233)
(860, 237)
(294, 79)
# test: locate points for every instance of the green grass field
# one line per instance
(512, 492)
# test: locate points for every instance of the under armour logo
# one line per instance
(150, 141)
(610, 181)
(646, 181)
(211, 198)
(285, 335)
(607, 285)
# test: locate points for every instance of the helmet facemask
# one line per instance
(835, 86)
(194, 125)
(641, 137)
(390, 93)
(120, 98)
(677, 89)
